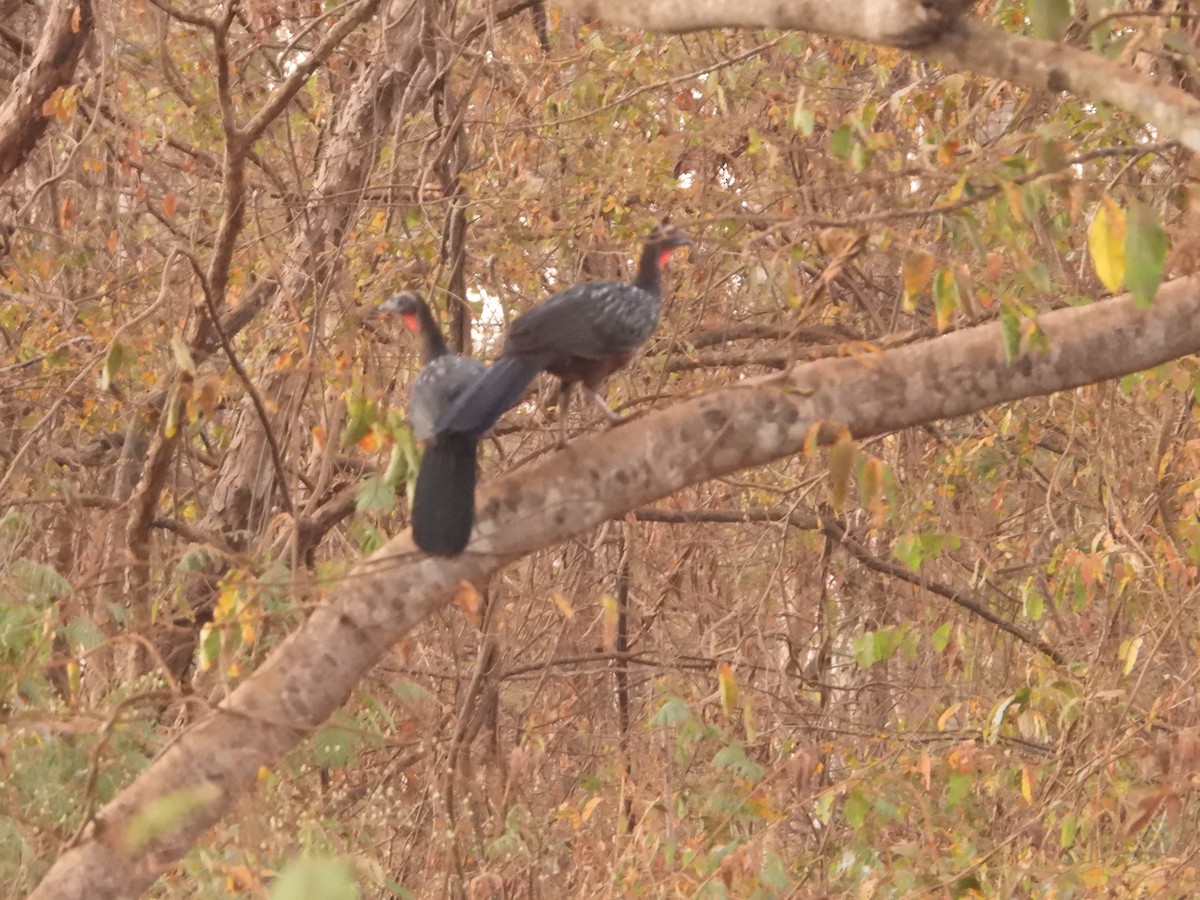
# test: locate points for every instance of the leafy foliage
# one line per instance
(703, 708)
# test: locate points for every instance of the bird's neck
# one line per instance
(433, 344)
(649, 273)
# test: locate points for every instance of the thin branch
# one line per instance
(837, 532)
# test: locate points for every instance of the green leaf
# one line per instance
(945, 297)
(908, 551)
(183, 356)
(362, 415)
(674, 711)
(1035, 606)
(841, 142)
(1066, 836)
(1010, 328)
(409, 693)
(733, 758)
(82, 631)
(162, 816)
(315, 878)
(1049, 18)
(803, 118)
(886, 641)
(864, 650)
(958, 788)
(112, 364)
(334, 747)
(39, 583)
(375, 496)
(941, 638)
(1106, 243)
(210, 645)
(1145, 252)
(855, 809)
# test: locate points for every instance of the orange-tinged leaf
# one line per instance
(68, 213)
(369, 442)
(169, 205)
(113, 241)
(1015, 205)
(609, 615)
(811, 437)
(841, 463)
(918, 269)
(925, 769)
(564, 606)
(727, 686)
(995, 265)
(1106, 243)
(76, 19)
(1027, 784)
(470, 601)
(318, 436)
(50, 104)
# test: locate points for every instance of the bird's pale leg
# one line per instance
(614, 417)
(564, 406)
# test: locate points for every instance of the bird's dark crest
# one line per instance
(668, 236)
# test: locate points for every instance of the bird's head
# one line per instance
(665, 240)
(406, 305)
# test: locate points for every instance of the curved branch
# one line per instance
(932, 28)
(597, 478)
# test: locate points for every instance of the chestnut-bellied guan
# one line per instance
(582, 334)
(443, 376)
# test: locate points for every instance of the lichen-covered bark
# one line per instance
(596, 478)
(901, 23)
(939, 30)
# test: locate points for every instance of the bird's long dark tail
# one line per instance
(444, 500)
(479, 406)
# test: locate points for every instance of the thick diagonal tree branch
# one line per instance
(595, 479)
(934, 29)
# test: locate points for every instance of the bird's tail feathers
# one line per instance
(444, 500)
(477, 408)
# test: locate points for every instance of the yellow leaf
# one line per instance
(1027, 784)
(727, 686)
(608, 606)
(588, 809)
(564, 606)
(1106, 243)
(841, 463)
(947, 716)
(870, 486)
